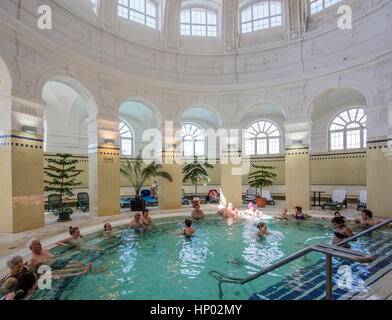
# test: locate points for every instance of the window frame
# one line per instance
(132, 139)
(190, 24)
(252, 20)
(310, 2)
(128, 8)
(193, 140)
(362, 128)
(267, 138)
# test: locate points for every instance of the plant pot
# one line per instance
(261, 202)
(64, 216)
(138, 205)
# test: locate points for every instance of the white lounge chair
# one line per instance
(339, 198)
(251, 195)
(362, 201)
(266, 194)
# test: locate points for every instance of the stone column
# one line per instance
(104, 166)
(231, 166)
(297, 164)
(170, 192)
(379, 160)
(21, 165)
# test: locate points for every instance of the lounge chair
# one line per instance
(83, 201)
(266, 194)
(251, 195)
(125, 202)
(148, 198)
(339, 198)
(54, 204)
(211, 198)
(362, 201)
(184, 198)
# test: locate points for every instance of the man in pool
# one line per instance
(282, 215)
(188, 231)
(229, 212)
(137, 221)
(60, 268)
(367, 219)
(197, 213)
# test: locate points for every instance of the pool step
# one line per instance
(309, 282)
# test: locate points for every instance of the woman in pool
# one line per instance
(188, 231)
(73, 240)
(197, 213)
(262, 230)
(137, 221)
(252, 211)
(24, 287)
(15, 264)
(342, 231)
(299, 215)
(282, 215)
(147, 221)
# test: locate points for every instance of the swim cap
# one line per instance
(251, 205)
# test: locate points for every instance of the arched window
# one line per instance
(192, 140)
(141, 11)
(261, 15)
(199, 22)
(262, 137)
(348, 130)
(319, 5)
(126, 140)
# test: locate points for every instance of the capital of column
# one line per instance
(103, 131)
(298, 131)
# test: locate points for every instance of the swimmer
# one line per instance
(137, 221)
(230, 211)
(282, 215)
(299, 215)
(147, 221)
(197, 213)
(24, 287)
(108, 231)
(15, 264)
(342, 231)
(188, 231)
(367, 219)
(73, 240)
(252, 211)
(262, 230)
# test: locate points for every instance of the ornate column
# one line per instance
(21, 164)
(104, 166)
(169, 192)
(231, 165)
(297, 163)
(379, 160)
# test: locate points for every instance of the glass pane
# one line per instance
(187, 148)
(246, 27)
(261, 24)
(211, 18)
(137, 5)
(274, 146)
(316, 6)
(246, 14)
(276, 8)
(275, 133)
(339, 121)
(151, 22)
(335, 126)
(353, 125)
(212, 31)
(135, 16)
(276, 21)
(122, 12)
(353, 114)
(185, 30)
(360, 114)
(199, 30)
(126, 147)
(123, 2)
(344, 115)
(199, 16)
(364, 138)
(260, 10)
(353, 139)
(250, 147)
(199, 148)
(261, 146)
(150, 9)
(337, 142)
(186, 16)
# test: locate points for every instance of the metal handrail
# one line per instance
(328, 250)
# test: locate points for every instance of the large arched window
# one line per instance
(192, 140)
(261, 15)
(319, 5)
(348, 130)
(141, 11)
(199, 22)
(126, 140)
(262, 137)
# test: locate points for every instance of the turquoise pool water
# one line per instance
(154, 264)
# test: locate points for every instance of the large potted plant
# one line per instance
(137, 173)
(261, 178)
(62, 172)
(195, 172)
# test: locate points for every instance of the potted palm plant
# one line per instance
(195, 172)
(61, 171)
(137, 173)
(261, 178)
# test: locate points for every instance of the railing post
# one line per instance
(328, 259)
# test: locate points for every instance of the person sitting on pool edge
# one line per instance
(252, 211)
(299, 215)
(147, 221)
(262, 230)
(24, 287)
(282, 215)
(188, 231)
(342, 231)
(137, 221)
(197, 213)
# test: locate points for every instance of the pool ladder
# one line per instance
(327, 249)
